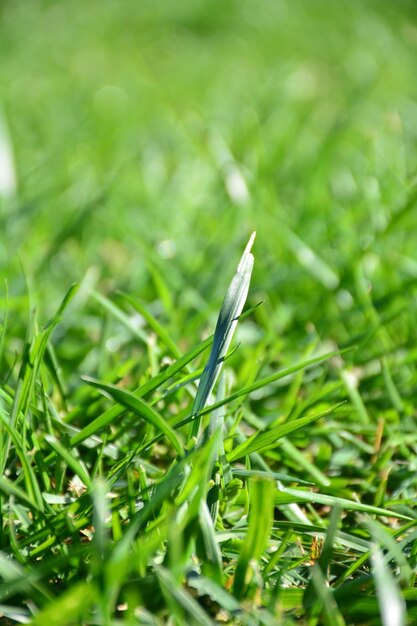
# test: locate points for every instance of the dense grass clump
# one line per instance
(166, 458)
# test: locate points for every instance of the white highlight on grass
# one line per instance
(344, 299)
(7, 168)
(167, 249)
(302, 84)
(312, 262)
(350, 379)
(236, 187)
(234, 180)
(113, 344)
(391, 604)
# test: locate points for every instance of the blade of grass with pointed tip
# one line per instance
(232, 306)
(140, 407)
(263, 382)
(111, 414)
(287, 495)
(34, 354)
(269, 438)
(273, 475)
(30, 477)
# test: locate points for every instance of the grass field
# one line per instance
(141, 143)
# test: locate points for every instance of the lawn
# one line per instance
(194, 429)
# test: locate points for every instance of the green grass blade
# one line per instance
(384, 539)
(260, 523)
(69, 607)
(263, 382)
(232, 306)
(212, 562)
(141, 408)
(391, 603)
(111, 414)
(30, 475)
(311, 593)
(178, 597)
(270, 438)
(118, 314)
(206, 586)
(331, 615)
(287, 495)
(3, 326)
(34, 356)
(11, 489)
(153, 323)
(271, 475)
(77, 466)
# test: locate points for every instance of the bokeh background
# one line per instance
(142, 142)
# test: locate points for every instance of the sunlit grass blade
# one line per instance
(154, 383)
(286, 495)
(8, 175)
(29, 472)
(311, 261)
(31, 362)
(101, 544)
(260, 522)
(269, 439)
(263, 382)
(391, 603)
(141, 408)
(271, 475)
(232, 306)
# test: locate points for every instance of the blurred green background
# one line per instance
(143, 141)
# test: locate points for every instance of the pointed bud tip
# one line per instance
(250, 242)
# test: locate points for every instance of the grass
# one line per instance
(153, 472)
